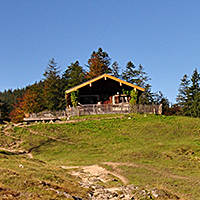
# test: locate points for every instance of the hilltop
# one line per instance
(143, 156)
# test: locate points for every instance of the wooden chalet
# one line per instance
(104, 89)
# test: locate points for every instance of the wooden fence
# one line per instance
(45, 116)
(92, 109)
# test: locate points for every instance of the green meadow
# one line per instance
(149, 150)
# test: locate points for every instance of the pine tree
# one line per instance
(73, 75)
(182, 96)
(189, 95)
(115, 70)
(193, 100)
(140, 78)
(130, 74)
(52, 83)
(147, 97)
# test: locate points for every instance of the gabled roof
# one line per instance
(100, 77)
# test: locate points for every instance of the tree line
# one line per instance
(188, 98)
(49, 93)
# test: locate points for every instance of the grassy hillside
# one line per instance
(150, 151)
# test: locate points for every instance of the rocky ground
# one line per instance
(93, 177)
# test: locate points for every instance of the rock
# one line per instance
(67, 195)
(155, 193)
(95, 180)
(160, 193)
(21, 166)
(77, 198)
(93, 176)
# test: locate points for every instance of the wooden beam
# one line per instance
(103, 76)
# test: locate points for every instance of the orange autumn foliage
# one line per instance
(27, 104)
(97, 66)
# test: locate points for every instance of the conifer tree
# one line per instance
(130, 74)
(73, 75)
(52, 89)
(147, 97)
(183, 90)
(142, 77)
(139, 77)
(115, 69)
(188, 97)
(193, 100)
(38, 89)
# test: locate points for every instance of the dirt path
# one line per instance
(115, 165)
(103, 174)
(50, 137)
(13, 148)
(96, 171)
(17, 151)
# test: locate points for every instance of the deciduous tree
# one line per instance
(29, 103)
(98, 64)
(38, 89)
(17, 114)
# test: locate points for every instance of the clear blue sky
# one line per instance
(162, 36)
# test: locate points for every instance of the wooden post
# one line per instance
(78, 111)
(68, 99)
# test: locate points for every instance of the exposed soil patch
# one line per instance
(50, 137)
(97, 172)
(14, 148)
(92, 177)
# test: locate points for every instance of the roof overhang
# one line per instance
(104, 76)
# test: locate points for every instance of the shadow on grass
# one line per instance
(41, 144)
(7, 152)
